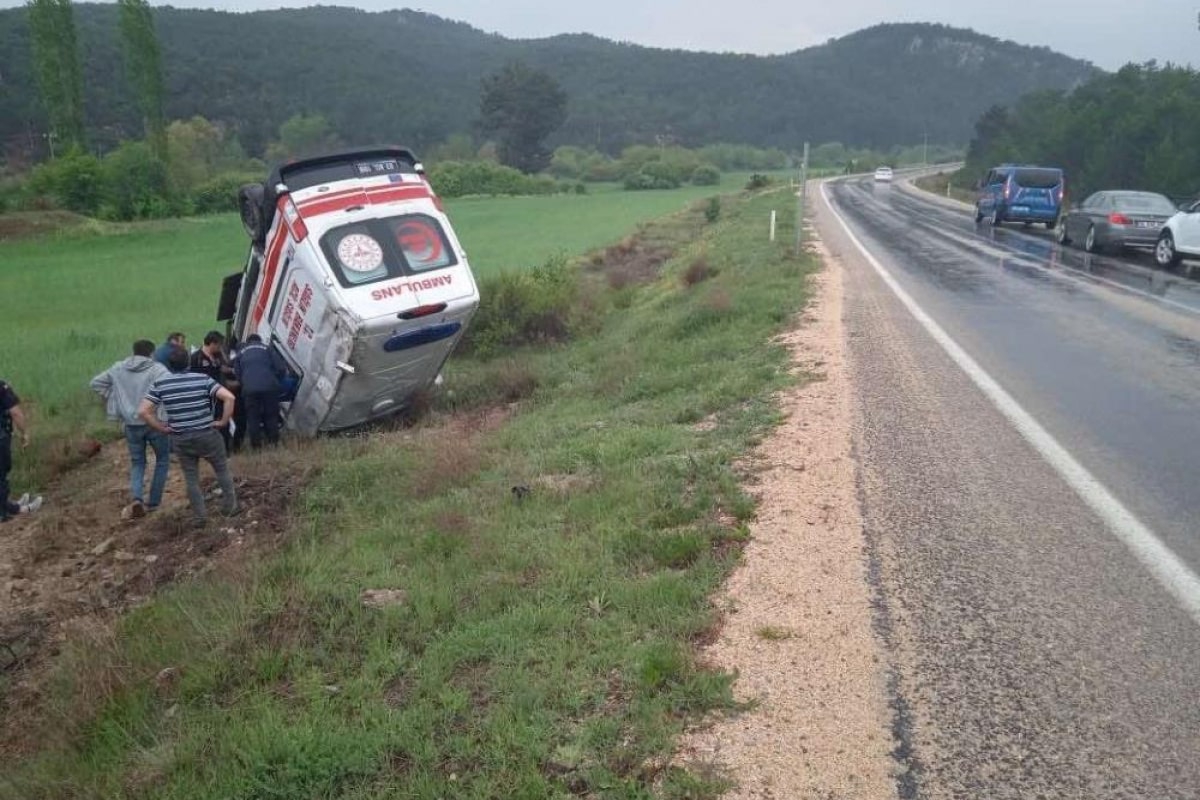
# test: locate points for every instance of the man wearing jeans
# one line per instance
(123, 385)
(187, 397)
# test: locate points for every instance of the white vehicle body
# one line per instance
(884, 175)
(355, 276)
(1179, 238)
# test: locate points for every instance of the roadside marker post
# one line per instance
(803, 195)
(772, 225)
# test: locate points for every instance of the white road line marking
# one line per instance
(1163, 564)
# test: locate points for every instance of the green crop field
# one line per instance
(75, 302)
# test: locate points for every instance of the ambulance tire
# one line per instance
(250, 207)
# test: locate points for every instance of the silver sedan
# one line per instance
(1116, 219)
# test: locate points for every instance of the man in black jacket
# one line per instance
(259, 370)
(210, 360)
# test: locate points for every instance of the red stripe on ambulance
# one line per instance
(374, 196)
(270, 266)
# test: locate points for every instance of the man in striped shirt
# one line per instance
(187, 397)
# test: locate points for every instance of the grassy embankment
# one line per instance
(539, 647)
(943, 183)
(73, 303)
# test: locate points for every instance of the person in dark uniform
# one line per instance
(260, 370)
(12, 420)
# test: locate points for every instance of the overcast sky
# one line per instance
(1108, 33)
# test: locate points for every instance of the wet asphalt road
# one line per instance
(1033, 656)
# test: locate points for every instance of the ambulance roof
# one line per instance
(343, 165)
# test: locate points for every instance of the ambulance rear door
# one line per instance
(308, 332)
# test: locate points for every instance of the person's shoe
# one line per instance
(137, 510)
(23, 499)
(198, 523)
(31, 506)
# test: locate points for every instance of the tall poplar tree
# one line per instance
(56, 65)
(143, 63)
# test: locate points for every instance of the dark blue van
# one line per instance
(1016, 193)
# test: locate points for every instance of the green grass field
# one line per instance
(74, 303)
(542, 649)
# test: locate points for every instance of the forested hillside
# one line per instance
(1136, 129)
(405, 75)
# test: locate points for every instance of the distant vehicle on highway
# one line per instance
(1180, 237)
(1015, 193)
(884, 175)
(1116, 219)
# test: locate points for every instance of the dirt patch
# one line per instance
(798, 630)
(79, 562)
(633, 261)
(30, 224)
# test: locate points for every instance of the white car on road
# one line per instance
(1180, 237)
(883, 175)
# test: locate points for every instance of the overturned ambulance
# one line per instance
(355, 278)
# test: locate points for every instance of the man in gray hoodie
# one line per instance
(123, 385)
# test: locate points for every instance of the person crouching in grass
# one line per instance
(186, 398)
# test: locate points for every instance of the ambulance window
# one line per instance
(279, 282)
(356, 254)
(422, 242)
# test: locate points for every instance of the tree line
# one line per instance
(1134, 129)
(195, 166)
(414, 78)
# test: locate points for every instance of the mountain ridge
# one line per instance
(414, 76)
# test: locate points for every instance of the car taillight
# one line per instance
(423, 311)
(1119, 219)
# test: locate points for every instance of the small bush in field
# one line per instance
(219, 194)
(75, 181)
(698, 272)
(712, 211)
(519, 308)
(459, 178)
(646, 181)
(706, 175)
(758, 181)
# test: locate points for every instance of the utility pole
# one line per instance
(803, 197)
(925, 157)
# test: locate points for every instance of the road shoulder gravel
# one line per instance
(798, 631)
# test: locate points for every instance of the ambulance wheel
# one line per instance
(250, 207)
